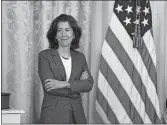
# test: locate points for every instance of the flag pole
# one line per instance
(137, 40)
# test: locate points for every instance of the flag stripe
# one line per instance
(126, 42)
(148, 64)
(133, 54)
(106, 108)
(101, 113)
(148, 41)
(151, 31)
(113, 101)
(136, 59)
(123, 92)
(124, 79)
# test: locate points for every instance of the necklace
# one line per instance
(65, 57)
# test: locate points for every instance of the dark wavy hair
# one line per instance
(51, 34)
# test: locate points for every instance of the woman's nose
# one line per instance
(63, 33)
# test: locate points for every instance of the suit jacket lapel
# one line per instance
(56, 57)
(74, 64)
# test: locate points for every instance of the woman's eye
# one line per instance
(58, 30)
(67, 29)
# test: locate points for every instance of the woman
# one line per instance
(64, 74)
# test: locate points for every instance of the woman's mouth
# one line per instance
(65, 38)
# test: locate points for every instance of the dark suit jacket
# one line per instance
(60, 105)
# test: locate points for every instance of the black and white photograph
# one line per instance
(84, 62)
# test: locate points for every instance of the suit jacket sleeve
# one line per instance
(44, 71)
(82, 85)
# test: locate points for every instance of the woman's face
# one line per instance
(64, 34)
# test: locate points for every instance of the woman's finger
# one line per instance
(48, 80)
(86, 75)
(51, 85)
(82, 75)
(81, 78)
(49, 89)
(48, 84)
(52, 88)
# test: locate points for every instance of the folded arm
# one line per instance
(67, 87)
(84, 85)
(44, 71)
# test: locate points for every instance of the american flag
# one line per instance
(127, 81)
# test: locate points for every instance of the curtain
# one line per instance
(159, 9)
(24, 27)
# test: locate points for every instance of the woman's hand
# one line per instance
(84, 75)
(51, 84)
